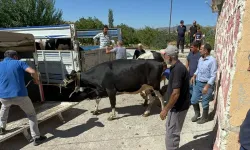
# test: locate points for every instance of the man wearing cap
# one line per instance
(181, 30)
(138, 51)
(177, 98)
(13, 92)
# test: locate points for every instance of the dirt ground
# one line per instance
(130, 131)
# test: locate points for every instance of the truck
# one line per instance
(54, 64)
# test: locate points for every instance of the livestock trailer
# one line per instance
(53, 64)
(24, 44)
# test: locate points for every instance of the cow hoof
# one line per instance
(111, 118)
(145, 115)
(96, 112)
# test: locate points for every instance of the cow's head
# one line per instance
(74, 82)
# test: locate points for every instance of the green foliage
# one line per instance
(128, 34)
(88, 23)
(16, 13)
(111, 19)
(209, 35)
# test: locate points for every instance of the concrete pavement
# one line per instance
(130, 131)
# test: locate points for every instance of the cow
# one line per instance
(121, 76)
(157, 57)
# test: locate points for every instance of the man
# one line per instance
(181, 30)
(139, 51)
(203, 81)
(244, 137)
(198, 36)
(103, 37)
(192, 62)
(14, 92)
(120, 52)
(192, 31)
(177, 98)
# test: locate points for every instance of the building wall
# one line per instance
(232, 50)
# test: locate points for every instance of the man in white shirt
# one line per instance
(103, 37)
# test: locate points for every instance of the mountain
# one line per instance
(175, 27)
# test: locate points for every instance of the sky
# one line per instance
(140, 13)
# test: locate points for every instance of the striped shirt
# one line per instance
(206, 70)
(104, 39)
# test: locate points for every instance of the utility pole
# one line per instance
(170, 18)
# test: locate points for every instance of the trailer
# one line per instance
(54, 64)
(24, 44)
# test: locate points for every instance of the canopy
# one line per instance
(17, 41)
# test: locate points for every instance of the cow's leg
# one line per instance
(112, 98)
(144, 96)
(97, 112)
(151, 101)
(158, 94)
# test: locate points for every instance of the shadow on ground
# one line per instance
(77, 130)
(203, 141)
(133, 110)
(53, 123)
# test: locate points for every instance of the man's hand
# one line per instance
(192, 81)
(205, 89)
(163, 114)
(36, 81)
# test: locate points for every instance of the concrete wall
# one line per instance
(232, 49)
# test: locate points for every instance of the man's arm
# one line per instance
(213, 71)
(173, 99)
(110, 51)
(96, 37)
(176, 85)
(187, 62)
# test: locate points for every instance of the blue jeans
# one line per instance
(191, 90)
(197, 93)
(242, 148)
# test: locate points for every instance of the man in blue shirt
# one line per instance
(181, 30)
(203, 80)
(13, 92)
(191, 64)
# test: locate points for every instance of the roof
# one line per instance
(17, 41)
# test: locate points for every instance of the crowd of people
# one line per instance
(187, 84)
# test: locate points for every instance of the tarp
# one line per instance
(16, 41)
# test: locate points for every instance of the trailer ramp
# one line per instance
(44, 112)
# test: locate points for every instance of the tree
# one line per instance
(111, 18)
(89, 23)
(15, 13)
(128, 34)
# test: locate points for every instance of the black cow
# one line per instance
(157, 57)
(123, 76)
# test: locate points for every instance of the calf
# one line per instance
(123, 76)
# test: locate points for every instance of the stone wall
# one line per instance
(231, 48)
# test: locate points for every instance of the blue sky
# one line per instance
(139, 13)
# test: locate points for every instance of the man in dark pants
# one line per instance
(192, 31)
(192, 62)
(177, 98)
(244, 137)
(13, 92)
(181, 30)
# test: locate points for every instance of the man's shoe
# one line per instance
(40, 140)
(204, 117)
(2, 131)
(197, 112)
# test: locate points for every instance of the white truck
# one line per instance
(53, 65)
